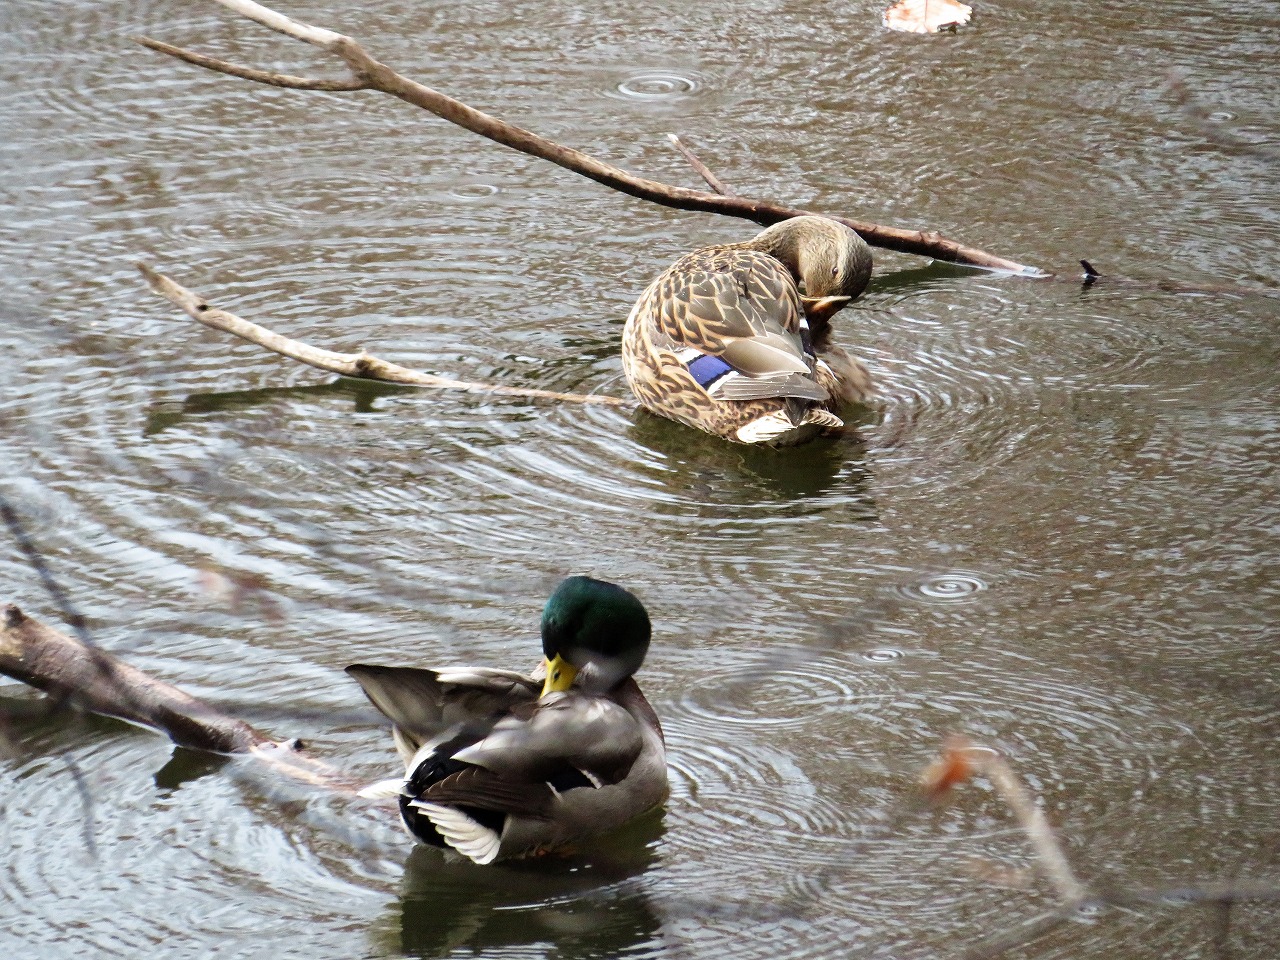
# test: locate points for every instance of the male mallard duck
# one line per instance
(498, 764)
(724, 340)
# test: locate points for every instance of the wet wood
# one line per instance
(94, 680)
(78, 675)
(699, 167)
(370, 74)
(362, 365)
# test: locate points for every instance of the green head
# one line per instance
(595, 632)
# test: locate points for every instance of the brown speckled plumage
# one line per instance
(742, 303)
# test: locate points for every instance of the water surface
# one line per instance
(1058, 534)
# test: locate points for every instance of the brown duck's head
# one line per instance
(828, 258)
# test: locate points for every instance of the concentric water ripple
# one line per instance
(763, 697)
(951, 587)
(831, 822)
(656, 85)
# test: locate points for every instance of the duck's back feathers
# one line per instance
(422, 703)
(558, 735)
(742, 307)
(425, 701)
(718, 341)
(492, 770)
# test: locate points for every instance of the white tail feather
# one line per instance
(469, 838)
(771, 427)
(383, 789)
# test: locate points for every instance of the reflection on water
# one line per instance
(363, 394)
(578, 905)
(1055, 533)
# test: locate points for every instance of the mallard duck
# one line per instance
(724, 340)
(499, 764)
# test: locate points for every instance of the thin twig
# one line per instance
(700, 168)
(70, 614)
(268, 77)
(360, 365)
(1050, 856)
(960, 760)
(86, 801)
(372, 74)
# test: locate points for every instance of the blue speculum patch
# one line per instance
(707, 370)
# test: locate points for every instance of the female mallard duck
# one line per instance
(725, 341)
(498, 764)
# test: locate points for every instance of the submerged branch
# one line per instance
(75, 673)
(1049, 853)
(94, 680)
(360, 365)
(369, 73)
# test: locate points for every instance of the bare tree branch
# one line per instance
(94, 680)
(91, 678)
(282, 24)
(371, 74)
(51, 586)
(960, 760)
(1050, 856)
(358, 365)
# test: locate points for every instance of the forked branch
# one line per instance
(369, 74)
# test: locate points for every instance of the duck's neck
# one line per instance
(628, 696)
(783, 241)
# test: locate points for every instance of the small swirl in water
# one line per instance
(653, 85)
(883, 655)
(473, 191)
(742, 699)
(953, 587)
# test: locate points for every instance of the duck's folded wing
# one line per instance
(564, 740)
(743, 313)
(423, 702)
(485, 790)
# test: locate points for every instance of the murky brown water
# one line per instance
(1059, 535)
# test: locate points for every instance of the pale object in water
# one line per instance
(927, 16)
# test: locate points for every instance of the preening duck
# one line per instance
(726, 340)
(499, 764)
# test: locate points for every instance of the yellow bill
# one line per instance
(560, 674)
